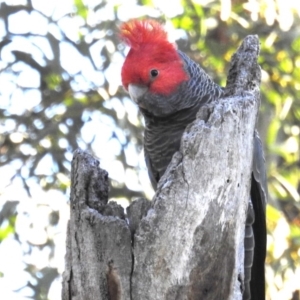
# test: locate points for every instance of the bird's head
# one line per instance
(153, 65)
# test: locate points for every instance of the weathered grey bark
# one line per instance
(189, 243)
(99, 256)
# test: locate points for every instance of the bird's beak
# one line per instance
(136, 92)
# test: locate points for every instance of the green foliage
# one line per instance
(81, 9)
(53, 81)
(7, 228)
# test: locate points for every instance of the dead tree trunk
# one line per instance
(188, 242)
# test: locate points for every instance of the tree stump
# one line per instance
(188, 242)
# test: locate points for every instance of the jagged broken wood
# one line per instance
(188, 242)
(98, 256)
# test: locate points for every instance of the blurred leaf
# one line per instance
(273, 214)
(5, 230)
(82, 10)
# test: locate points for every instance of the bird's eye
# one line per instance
(154, 73)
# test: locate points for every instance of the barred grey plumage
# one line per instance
(165, 126)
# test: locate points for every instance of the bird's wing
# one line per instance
(259, 196)
(153, 175)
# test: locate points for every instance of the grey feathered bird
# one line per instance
(169, 89)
